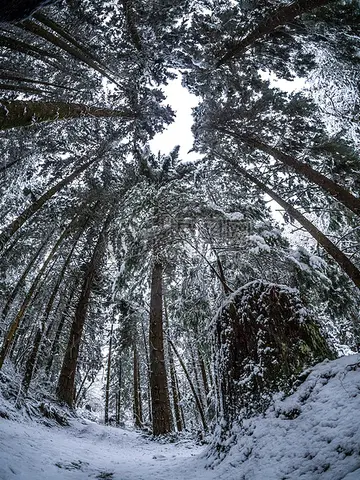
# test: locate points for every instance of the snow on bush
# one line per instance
(313, 433)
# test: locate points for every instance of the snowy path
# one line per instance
(88, 450)
(313, 434)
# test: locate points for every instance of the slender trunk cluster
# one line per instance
(192, 386)
(30, 364)
(65, 42)
(9, 337)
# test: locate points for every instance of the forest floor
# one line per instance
(313, 434)
(89, 450)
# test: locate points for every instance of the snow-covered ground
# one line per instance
(313, 434)
(89, 450)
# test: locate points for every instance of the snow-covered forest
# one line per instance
(173, 314)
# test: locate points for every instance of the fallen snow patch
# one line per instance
(312, 434)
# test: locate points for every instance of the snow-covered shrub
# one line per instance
(264, 337)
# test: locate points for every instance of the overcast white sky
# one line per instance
(179, 132)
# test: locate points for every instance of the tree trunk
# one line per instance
(282, 16)
(148, 370)
(334, 189)
(30, 364)
(174, 389)
(14, 226)
(340, 258)
(118, 397)
(66, 385)
(203, 373)
(29, 367)
(175, 392)
(25, 48)
(17, 77)
(161, 413)
(55, 347)
(81, 387)
(69, 45)
(16, 322)
(196, 376)
(108, 372)
(138, 420)
(197, 400)
(20, 331)
(21, 113)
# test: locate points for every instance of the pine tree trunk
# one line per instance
(70, 46)
(66, 385)
(174, 387)
(196, 376)
(118, 397)
(14, 226)
(282, 16)
(25, 48)
(30, 364)
(180, 405)
(161, 412)
(175, 392)
(335, 190)
(81, 387)
(338, 256)
(55, 347)
(108, 372)
(20, 331)
(138, 420)
(21, 113)
(148, 371)
(203, 373)
(16, 77)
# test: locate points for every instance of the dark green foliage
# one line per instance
(264, 338)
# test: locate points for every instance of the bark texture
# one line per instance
(22, 113)
(138, 420)
(161, 413)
